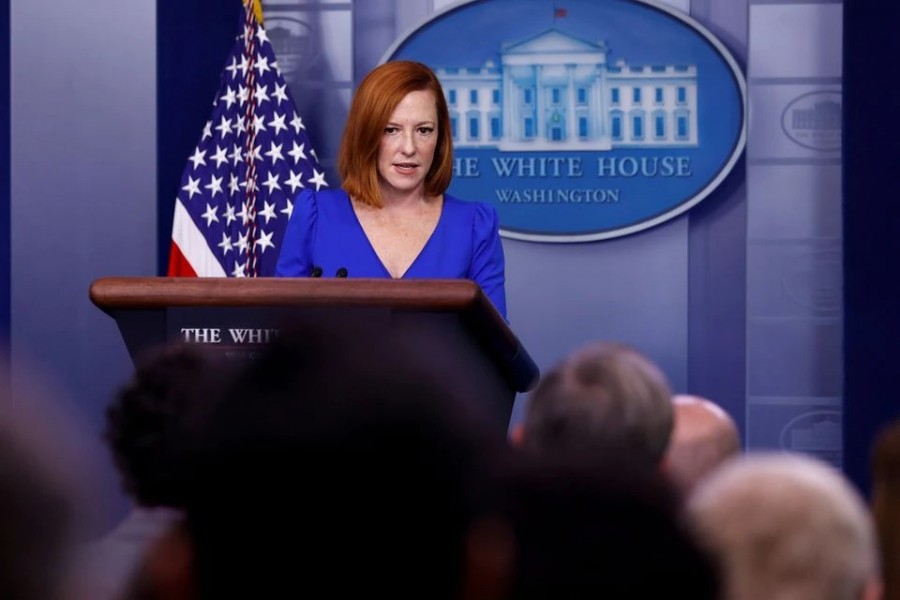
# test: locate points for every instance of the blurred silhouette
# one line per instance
(886, 505)
(343, 458)
(590, 529)
(35, 522)
(152, 415)
(48, 474)
(787, 527)
(147, 427)
(603, 397)
(703, 438)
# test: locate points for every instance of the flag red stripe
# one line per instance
(178, 264)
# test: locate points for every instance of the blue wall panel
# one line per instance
(82, 201)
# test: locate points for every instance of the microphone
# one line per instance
(342, 272)
(316, 271)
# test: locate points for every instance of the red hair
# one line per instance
(378, 95)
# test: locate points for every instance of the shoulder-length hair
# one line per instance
(378, 95)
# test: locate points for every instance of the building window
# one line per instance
(451, 96)
(473, 128)
(682, 95)
(495, 128)
(615, 95)
(473, 97)
(659, 125)
(582, 95)
(529, 127)
(495, 96)
(637, 126)
(636, 95)
(659, 95)
(554, 95)
(682, 125)
(454, 126)
(527, 95)
(582, 127)
(615, 125)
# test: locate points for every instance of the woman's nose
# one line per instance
(409, 143)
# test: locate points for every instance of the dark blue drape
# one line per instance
(871, 155)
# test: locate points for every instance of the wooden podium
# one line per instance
(237, 315)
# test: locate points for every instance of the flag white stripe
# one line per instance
(192, 243)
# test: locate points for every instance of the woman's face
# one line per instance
(407, 145)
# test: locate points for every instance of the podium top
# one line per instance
(110, 293)
(115, 295)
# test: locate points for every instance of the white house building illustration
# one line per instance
(557, 92)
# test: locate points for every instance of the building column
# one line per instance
(598, 105)
(510, 114)
(570, 117)
(539, 102)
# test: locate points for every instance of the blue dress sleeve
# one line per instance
(295, 258)
(487, 267)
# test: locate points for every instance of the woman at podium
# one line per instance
(392, 217)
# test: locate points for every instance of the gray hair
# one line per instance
(603, 396)
(786, 527)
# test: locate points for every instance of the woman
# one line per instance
(393, 218)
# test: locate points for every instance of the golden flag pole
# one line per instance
(256, 6)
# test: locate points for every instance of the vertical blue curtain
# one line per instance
(871, 154)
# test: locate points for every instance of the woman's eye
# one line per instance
(426, 130)
(391, 129)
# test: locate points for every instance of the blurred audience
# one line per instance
(359, 459)
(342, 459)
(886, 505)
(48, 476)
(787, 527)
(35, 525)
(704, 437)
(604, 396)
(589, 529)
(147, 427)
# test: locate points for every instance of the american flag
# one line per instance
(254, 155)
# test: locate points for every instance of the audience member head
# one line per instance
(48, 476)
(703, 438)
(595, 530)
(378, 95)
(787, 527)
(886, 505)
(35, 516)
(351, 444)
(604, 396)
(148, 423)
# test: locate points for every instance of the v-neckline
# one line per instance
(362, 232)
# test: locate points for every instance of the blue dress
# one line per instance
(324, 232)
